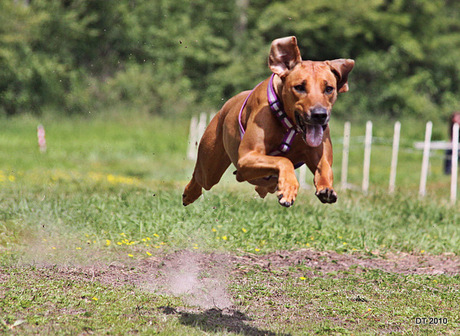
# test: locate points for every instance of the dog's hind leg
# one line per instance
(211, 164)
(264, 190)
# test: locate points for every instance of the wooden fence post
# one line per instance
(303, 177)
(41, 138)
(394, 157)
(367, 157)
(193, 139)
(202, 125)
(454, 170)
(426, 158)
(346, 151)
(197, 128)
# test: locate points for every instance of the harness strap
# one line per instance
(241, 111)
(277, 109)
(285, 145)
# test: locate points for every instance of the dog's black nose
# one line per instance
(318, 115)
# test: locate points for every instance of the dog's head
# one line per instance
(309, 89)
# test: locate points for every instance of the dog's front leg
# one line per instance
(254, 165)
(320, 163)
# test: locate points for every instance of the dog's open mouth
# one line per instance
(313, 133)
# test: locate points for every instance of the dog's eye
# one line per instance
(300, 88)
(329, 89)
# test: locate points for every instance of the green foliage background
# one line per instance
(176, 57)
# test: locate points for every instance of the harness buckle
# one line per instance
(284, 147)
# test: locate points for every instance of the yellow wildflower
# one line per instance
(110, 178)
(244, 230)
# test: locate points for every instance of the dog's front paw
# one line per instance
(327, 195)
(284, 201)
(287, 192)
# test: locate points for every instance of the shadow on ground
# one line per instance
(217, 320)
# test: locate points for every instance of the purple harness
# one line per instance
(275, 106)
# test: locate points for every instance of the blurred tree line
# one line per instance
(180, 56)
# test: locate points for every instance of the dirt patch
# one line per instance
(202, 278)
(329, 261)
(183, 271)
(202, 281)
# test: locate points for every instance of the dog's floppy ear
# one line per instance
(341, 68)
(284, 55)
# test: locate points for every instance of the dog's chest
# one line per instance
(296, 153)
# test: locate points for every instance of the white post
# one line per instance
(211, 116)
(426, 158)
(394, 156)
(303, 176)
(454, 170)
(367, 157)
(346, 150)
(192, 139)
(202, 124)
(41, 138)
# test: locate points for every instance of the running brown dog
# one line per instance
(263, 142)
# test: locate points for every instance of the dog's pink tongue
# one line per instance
(314, 135)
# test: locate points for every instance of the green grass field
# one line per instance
(94, 240)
